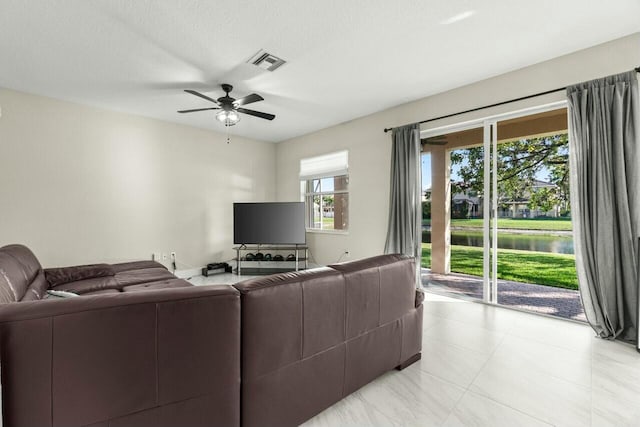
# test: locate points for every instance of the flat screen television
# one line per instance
(275, 223)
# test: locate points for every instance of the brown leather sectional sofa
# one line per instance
(271, 351)
(112, 357)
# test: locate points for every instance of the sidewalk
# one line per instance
(559, 302)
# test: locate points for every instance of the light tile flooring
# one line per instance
(218, 279)
(490, 366)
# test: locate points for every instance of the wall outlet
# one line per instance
(346, 253)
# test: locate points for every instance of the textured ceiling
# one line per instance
(346, 58)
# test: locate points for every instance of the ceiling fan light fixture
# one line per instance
(229, 118)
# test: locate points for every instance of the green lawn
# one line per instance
(551, 224)
(327, 223)
(555, 270)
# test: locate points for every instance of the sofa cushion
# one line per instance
(59, 276)
(380, 289)
(136, 265)
(102, 292)
(135, 277)
(366, 263)
(90, 285)
(160, 284)
(278, 310)
(23, 279)
(362, 300)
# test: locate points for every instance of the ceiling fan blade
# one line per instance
(249, 99)
(198, 109)
(257, 114)
(193, 92)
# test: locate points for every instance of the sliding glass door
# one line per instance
(535, 262)
(500, 216)
(453, 229)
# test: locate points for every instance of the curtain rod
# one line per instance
(637, 70)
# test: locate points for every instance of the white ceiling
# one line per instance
(346, 58)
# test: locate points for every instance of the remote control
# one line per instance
(62, 294)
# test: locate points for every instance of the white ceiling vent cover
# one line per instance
(266, 61)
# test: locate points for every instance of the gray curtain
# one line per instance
(604, 126)
(404, 233)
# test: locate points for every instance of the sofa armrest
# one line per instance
(170, 354)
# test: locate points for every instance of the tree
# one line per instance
(543, 199)
(518, 163)
(426, 210)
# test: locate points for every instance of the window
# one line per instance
(325, 184)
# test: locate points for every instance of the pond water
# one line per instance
(523, 242)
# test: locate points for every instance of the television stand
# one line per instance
(270, 266)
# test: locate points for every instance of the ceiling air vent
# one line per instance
(266, 61)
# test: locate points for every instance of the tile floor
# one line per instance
(490, 366)
(218, 279)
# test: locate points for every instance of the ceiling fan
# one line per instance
(230, 107)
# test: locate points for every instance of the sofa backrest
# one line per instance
(310, 338)
(287, 320)
(378, 290)
(21, 275)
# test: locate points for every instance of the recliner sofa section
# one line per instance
(311, 338)
(269, 351)
(22, 278)
(168, 357)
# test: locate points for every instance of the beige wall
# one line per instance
(81, 185)
(368, 186)
(370, 148)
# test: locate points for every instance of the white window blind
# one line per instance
(332, 164)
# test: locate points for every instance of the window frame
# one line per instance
(308, 193)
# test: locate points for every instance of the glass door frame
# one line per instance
(490, 204)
